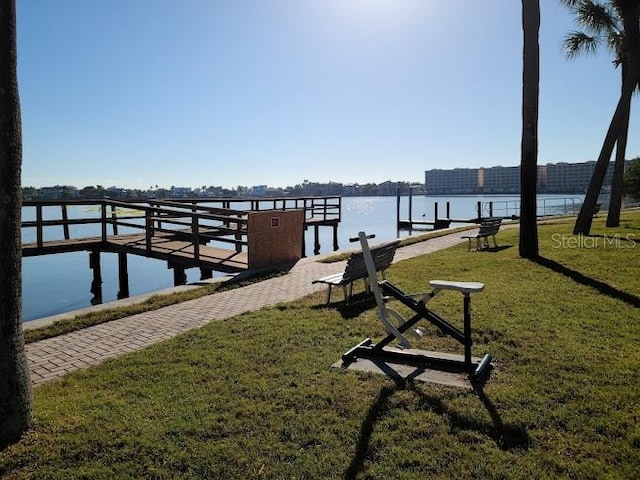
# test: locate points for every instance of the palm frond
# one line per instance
(598, 18)
(616, 45)
(569, 3)
(576, 43)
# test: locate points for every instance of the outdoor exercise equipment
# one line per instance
(399, 327)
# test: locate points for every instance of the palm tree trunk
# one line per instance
(629, 15)
(617, 184)
(15, 390)
(528, 247)
(588, 209)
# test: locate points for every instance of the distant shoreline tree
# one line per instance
(632, 180)
(15, 385)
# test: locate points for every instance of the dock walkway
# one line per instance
(52, 358)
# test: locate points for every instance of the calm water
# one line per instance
(60, 283)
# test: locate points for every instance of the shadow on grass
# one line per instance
(581, 278)
(495, 249)
(360, 303)
(506, 436)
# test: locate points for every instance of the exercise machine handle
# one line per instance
(357, 239)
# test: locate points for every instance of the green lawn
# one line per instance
(255, 396)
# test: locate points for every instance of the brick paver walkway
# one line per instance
(54, 357)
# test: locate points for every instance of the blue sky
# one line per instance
(138, 93)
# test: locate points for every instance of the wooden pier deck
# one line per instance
(186, 233)
(167, 247)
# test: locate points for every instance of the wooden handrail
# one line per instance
(196, 220)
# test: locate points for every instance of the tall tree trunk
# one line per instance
(617, 184)
(588, 209)
(629, 16)
(529, 145)
(15, 390)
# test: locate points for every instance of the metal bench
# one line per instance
(488, 228)
(356, 269)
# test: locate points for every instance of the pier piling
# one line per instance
(123, 276)
(96, 283)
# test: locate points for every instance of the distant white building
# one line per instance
(259, 190)
(458, 180)
(552, 178)
(501, 180)
(181, 192)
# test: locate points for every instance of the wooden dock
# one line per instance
(167, 247)
(188, 233)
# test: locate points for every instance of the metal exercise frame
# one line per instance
(385, 290)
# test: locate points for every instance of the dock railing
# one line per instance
(327, 209)
(545, 206)
(106, 218)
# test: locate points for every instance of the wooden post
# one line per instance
(65, 218)
(435, 213)
(448, 210)
(410, 208)
(104, 220)
(114, 219)
(96, 284)
(397, 212)
(479, 210)
(316, 239)
(148, 229)
(239, 235)
(205, 273)
(335, 237)
(39, 233)
(179, 276)
(304, 239)
(196, 237)
(123, 276)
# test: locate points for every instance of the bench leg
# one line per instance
(494, 242)
(347, 290)
(328, 294)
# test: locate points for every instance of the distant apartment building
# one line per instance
(552, 178)
(572, 177)
(259, 190)
(456, 181)
(501, 180)
(181, 192)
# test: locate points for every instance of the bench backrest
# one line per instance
(489, 227)
(382, 258)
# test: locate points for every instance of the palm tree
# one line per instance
(603, 25)
(528, 246)
(616, 25)
(15, 391)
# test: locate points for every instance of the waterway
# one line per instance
(54, 284)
